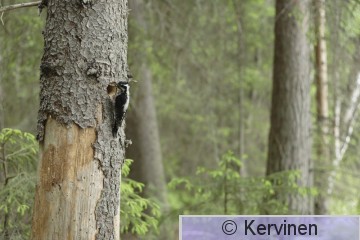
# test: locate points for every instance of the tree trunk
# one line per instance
(290, 137)
(2, 112)
(146, 150)
(85, 54)
(322, 109)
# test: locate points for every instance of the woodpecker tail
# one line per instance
(115, 130)
(117, 125)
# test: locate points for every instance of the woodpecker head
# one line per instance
(123, 86)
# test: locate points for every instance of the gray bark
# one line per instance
(85, 54)
(290, 137)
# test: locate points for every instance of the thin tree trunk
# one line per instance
(349, 120)
(335, 78)
(290, 137)
(241, 62)
(323, 151)
(342, 136)
(85, 54)
(2, 112)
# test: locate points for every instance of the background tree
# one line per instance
(322, 108)
(290, 137)
(142, 120)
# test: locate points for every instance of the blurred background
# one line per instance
(199, 117)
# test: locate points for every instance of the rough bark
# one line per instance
(322, 109)
(85, 53)
(290, 137)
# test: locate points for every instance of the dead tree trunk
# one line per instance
(290, 137)
(85, 54)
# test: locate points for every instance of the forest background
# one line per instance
(200, 114)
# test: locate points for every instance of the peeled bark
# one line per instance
(85, 54)
(322, 109)
(290, 137)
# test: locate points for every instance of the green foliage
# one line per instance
(18, 158)
(138, 215)
(21, 47)
(223, 191)
(18, 155)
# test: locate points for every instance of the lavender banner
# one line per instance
(269, 227)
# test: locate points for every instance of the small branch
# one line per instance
(350, 117)
(20, 5)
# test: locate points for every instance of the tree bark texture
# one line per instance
(85, 54)
(322, 109)
(290, 137)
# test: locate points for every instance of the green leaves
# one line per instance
(139, 215)
(222, 190)
(18, 158)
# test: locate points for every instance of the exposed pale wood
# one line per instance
(70, 184)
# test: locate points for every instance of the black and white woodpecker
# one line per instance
(122, 100)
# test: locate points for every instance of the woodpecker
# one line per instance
(121, 105)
